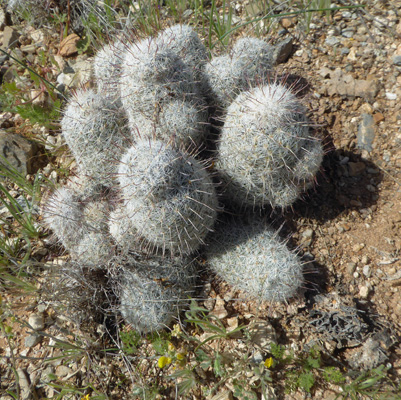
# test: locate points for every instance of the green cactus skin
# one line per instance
(252, 258)
(169, 197)
(95, 130)
(153, 291)
(266, 152)
(249, 63)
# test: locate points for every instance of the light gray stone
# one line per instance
(307, 234)
(37, 321)
(2, 19)
(397, 60)
(332, 41)
(18, 152)
(32, 340)
(366, 132)
(367, 271)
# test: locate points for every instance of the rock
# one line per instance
(219, 309)
(18, 151)
(24, 384)
(332, 41)
(32, 340)
(39, 35)
(60, 62)
(364, 292)
(391, 96)
(366, 133)
(346, 85)
(351, 266)
(225, 395)
(262, 334)
(2, 19)
(367, 271)
(76, 75)
(10, 38)
(325, 72)
(397, 60)
(307, 234)
(46, 375)
(209, 304)
(373, 352)
(378, 117)
(348, 32)
(68, 46)
(352, 55)
(282, 50)
(65, 79)
(29, 48)
(287, 22)
(37, 321)
(356, 168)
(62, 371)
(269, 393)
(3, 59)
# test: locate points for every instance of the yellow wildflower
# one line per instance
(163, 361)
(269, 362)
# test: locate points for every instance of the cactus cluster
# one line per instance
(146, 198)
(78, 11)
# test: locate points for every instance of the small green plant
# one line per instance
(18, 224)
(19, 95)
(370, 384)
(316, 6)
(130, 340)
(220, 23)
(147, 16)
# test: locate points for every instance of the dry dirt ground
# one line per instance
(348, 72)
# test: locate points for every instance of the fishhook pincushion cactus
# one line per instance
(252, 258)
(78, 215)
(185, 42)
(168, 196)
(267, 154)
(95, 130)
(107, 69)
(153, 291)
(249, 63)
(160, 95)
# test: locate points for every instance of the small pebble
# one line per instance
(307, 234)
(37, 321)
(32, 340)
(391, 96)
(366, 271)
(364, 292)
(351, 266)
(397, 60)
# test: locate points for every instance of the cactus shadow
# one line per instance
(347, 181)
